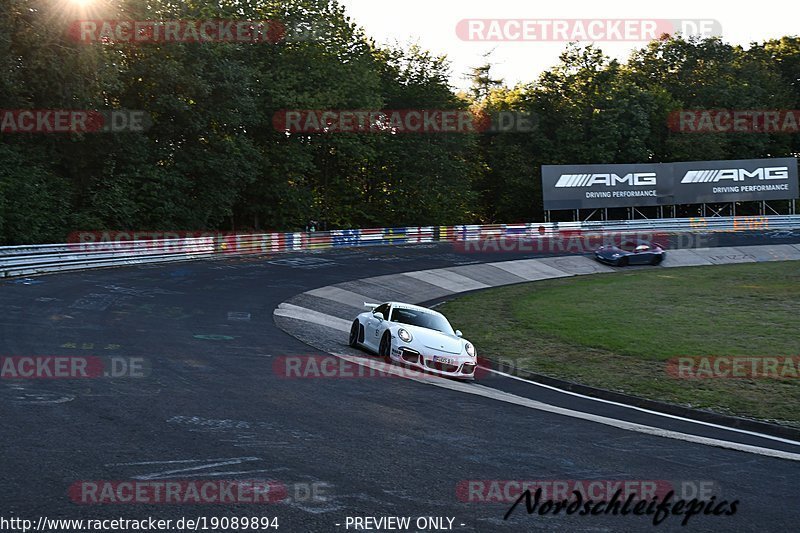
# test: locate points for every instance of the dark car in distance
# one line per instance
(631, 253)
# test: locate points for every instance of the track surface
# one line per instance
(382, 447)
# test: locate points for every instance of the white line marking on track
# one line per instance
(486, 392)
(186, 461)
(301, 313)
(182, 471)
(234, 472)
(189, 471)
(642, 409)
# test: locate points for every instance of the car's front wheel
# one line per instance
(385, 347)
(355, 329)
(622, 262)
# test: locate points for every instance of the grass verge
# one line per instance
(618, 331)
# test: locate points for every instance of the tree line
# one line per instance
(212, 158)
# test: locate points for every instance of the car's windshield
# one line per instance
(631, 246)
(423, 319)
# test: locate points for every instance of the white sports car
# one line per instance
(414, 336)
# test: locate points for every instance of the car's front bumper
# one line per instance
(606, 260)
(455, 366)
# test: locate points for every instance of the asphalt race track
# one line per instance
(212, 406)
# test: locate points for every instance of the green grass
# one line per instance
(617, 331)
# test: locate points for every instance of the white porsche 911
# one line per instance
(414, 336)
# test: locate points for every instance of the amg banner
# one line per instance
(742, 180)
(695, 182)
(592, 186)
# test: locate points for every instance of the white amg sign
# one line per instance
(609, 180)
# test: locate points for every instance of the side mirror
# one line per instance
(379, 316)
(458, 333)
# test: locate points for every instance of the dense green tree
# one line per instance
(213, 157)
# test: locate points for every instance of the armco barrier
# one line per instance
(116, 250)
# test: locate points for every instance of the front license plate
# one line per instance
(445, 360)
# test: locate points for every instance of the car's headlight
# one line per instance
(404, 335)
(470, 349)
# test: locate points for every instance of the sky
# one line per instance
(432, 23)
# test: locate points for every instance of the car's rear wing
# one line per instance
(371, 306)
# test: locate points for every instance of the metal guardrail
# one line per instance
(106, 249)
